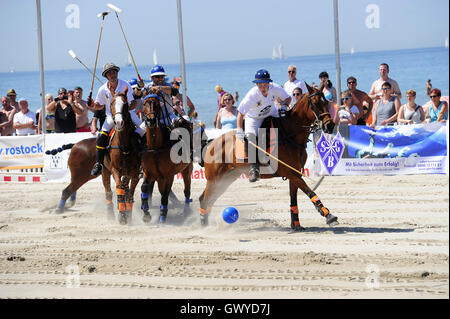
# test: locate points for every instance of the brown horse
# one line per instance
(122, 162)
(157, 164)
(297, 126)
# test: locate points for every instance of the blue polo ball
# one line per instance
(230, 215)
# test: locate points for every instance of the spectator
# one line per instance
(348, 111)
(220, 92)
(438, 110)
(12, 99)
(385, 111)
(428, 87)
(64, 110)
(82, 119)
(6, 117)
(375, 91)
(330, 93)
(296, 95)
(236, 96)
(361, 100)
(227, 116)
(24, 121)
(411, 113)
(49, 117)
(293, 82)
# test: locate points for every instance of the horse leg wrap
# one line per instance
(295, 222)
(129, 206)
(187, 201)
(144, 202)
(163, 213)
(120, 199)
(204, 215)
(318, 204)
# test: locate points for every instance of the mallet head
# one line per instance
(72, 54)
(113, 7)
(102, 14)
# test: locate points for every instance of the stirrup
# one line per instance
(97, 169)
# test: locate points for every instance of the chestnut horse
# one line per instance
(297, 125)
(157, 164)
(121, 161)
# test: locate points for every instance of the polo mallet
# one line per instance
(74, 56)
(117, 11)
(102, 15)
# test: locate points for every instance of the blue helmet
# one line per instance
(157, 70)
(133, 82)
(262, 76)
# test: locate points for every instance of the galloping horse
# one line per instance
(311, 109)
(157, 164)
(122, 162)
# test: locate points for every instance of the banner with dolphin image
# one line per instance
(388, 150)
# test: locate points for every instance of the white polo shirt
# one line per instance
(26, 118)
(104, 96)
(257, 106)
(290, 86)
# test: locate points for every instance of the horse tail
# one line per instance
(59, 149)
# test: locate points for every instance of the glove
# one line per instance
(90, 102)
(140, 84)
(282, 112)
(240, 134)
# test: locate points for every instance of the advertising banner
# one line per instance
(20, 152)
(388, 150)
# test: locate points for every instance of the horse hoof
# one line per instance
(299, 228)
(332, 220)
(204, 220)
(70, 204)
(59, 210)
(162, 219)
(122, 219)
(129, 216)
(147, 217)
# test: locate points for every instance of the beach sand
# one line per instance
(392, 242)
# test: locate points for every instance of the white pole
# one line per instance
(183, 65)
(41, 64)
(337, 51)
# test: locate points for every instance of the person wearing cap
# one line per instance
(137, 94)
(24, 121)
(64, 109)
(103, 100)
(7, 113)
(258, 104)
(158, 74)
(12, 99)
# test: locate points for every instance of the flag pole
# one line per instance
(182, 61)
(41, 66)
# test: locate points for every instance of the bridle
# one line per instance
(151, 118)
(318, 123)
(123, 113)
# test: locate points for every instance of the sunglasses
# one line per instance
(351, 82)
(385, 89)
(292, 71)
(433, 96)
(296, 94)
(158, 76)
(228, 99)
(346, 98)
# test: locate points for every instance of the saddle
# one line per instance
(269, 125)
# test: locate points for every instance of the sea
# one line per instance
(411, 68)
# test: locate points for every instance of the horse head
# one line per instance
(151, 108)
(119, 109)
(316, 110)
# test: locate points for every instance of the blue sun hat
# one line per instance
(133, 83)
(230, 215)
(157, 70)
(262, 76)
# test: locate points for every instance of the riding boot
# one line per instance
(252, 155)
(102, 141)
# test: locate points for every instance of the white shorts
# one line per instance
(109, 124)
(252, 125)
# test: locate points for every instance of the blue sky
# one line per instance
(213, 30)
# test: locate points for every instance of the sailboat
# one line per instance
(274, 54)
(352, 51)
(277, 53)
(155, 58)
(446, 42)
(128, 60)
